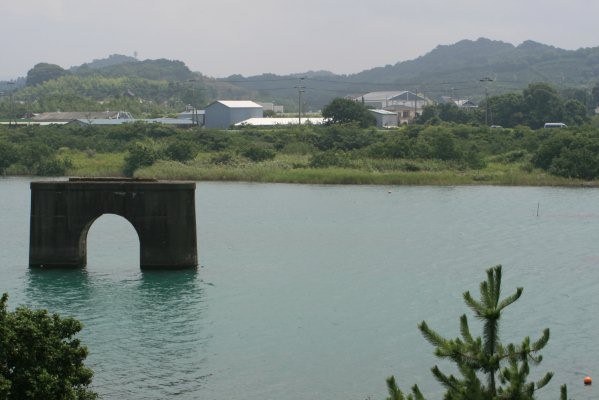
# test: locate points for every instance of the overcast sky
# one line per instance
(223, 37)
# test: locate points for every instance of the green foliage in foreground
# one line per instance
(40, 358)
(339, 153)
(489, 369)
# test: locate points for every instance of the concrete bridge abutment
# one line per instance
(162, 213)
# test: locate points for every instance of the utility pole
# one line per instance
(415, 103)
(486, 79)
(12, 106)
(195, 117)
(300, 89)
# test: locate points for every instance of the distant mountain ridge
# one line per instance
(466, 69)
(531, 60)
(456, 69)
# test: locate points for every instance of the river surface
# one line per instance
(315, 292)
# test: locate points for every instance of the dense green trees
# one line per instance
(488, 368)
(570, 155)
(40, 358)
(43, 72)
(508, 109)
(346, 111)
(144, 88)
(537, 104)
(542, 104)
(140, 96)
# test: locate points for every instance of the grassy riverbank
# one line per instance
(295, 169)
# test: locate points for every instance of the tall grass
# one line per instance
(89, 163)
(293, 168)
(512, 175)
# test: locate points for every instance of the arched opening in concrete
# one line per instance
(111, 243)
(162, 214)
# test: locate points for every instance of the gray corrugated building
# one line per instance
(224, 113)
(384, 118)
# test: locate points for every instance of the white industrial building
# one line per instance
(224, 113)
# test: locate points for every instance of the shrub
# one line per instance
(140, 155)
(7, 156)
(40, 358)
(181, 151)
(327, 159)
(54, 167)
(258, 154)
(222, 159)
(581, 163)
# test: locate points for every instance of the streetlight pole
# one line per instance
(300, 89)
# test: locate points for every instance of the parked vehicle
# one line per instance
(555, 125)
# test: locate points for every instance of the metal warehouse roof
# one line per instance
(106, 121)
(389, 95)
(71, 115)
(280, 121)
(239, 103)
(383, 112)
(102, 121)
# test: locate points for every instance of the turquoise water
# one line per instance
(314, 292)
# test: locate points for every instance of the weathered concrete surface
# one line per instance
(162, 213)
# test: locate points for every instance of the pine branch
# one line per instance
(431, 336)
(465, 330)
(510, 299)
(394, 392)
(448, 382)
(539, 344)
(417, 394)
(477, 307)
(544, 380)
(563, 392)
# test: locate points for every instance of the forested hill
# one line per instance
(112, 60)
(144, 88)
(455, 69)
(161, 69)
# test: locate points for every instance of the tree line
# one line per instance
(533, 107)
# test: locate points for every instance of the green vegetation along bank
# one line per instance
(441, 154)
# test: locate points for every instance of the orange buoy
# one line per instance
(587, 380)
